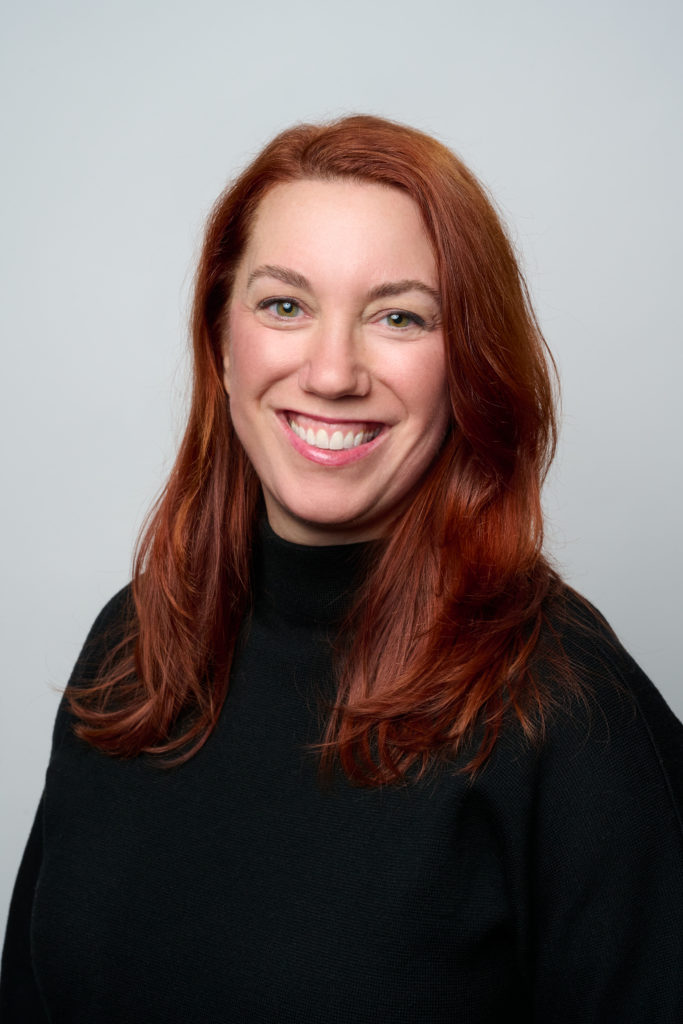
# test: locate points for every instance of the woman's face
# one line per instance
(334, 358)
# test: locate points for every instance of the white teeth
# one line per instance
(321, 439)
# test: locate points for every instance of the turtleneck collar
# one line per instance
(305, 584)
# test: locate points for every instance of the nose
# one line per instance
(335, 365)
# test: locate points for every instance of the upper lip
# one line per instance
(332, 421)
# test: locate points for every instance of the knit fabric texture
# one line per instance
(237, 888)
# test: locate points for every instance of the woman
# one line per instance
(347, 749)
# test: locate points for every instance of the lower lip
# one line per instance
(327, 456)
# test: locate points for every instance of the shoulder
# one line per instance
(111, 626)
(610, 736)
(596, 810)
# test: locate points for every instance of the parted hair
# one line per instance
(446, 625)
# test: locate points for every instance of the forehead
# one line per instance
(359, 227)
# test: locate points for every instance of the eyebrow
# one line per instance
(380, 291)
(290, 277)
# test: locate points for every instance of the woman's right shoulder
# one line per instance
(112, 621)
(107, 631)
(110, 628)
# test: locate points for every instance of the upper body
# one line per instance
(238, 888)
(415, 777)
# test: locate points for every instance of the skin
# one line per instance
(334, 326)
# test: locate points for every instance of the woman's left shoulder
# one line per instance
(596, 806)
(608, 726)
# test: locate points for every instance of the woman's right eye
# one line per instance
(285, 309)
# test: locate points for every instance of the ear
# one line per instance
(226, 367)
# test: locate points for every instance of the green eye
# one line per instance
(400, 319)
(286, 308)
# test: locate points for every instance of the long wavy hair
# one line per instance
(447, 623)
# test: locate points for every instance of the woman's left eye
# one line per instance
(399, 318)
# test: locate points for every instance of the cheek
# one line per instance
(420, 377)
(255, 358)
(243, 363)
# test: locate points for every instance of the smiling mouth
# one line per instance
(332, 436)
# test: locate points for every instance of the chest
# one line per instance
(237, 888)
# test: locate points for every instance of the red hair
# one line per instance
(447, 625)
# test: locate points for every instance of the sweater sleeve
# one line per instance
(20, 1001)
(607, 870)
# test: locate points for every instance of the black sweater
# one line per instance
(235, 889)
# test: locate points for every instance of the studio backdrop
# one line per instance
(120, 125)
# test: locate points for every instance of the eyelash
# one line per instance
(418, 321)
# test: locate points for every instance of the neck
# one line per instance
(305, 583)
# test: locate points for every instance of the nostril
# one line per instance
(333, 378)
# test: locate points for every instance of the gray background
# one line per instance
(122, 122)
